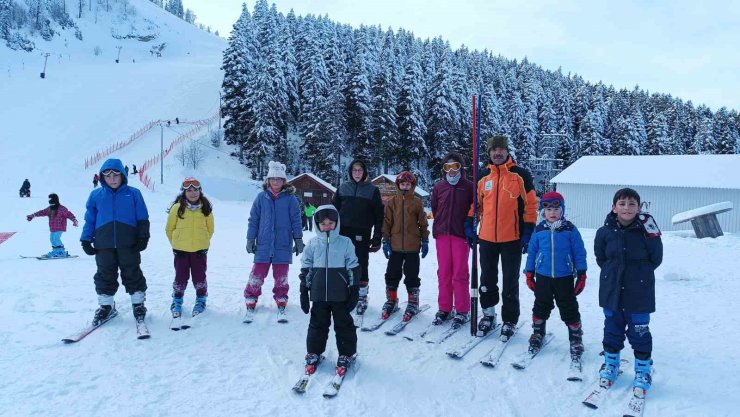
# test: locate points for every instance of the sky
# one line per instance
(688, 49)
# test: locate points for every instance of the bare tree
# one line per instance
(181, 155)
(196, 154)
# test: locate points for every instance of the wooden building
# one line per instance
(386, 183)
(312, 189)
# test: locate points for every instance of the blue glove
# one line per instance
(524, 238)
(470, 233)
(387, 249)
(424, 248)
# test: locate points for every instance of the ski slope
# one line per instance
(222, 367)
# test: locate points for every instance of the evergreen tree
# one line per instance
(384, 130)
(704, 138)
(658, 141)
(591, 135)
(442, 116)
(410, 111)
(358, 103)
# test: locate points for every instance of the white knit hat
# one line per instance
(276, 170)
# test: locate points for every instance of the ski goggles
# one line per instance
(551, 204)
(111, 173)
(451, 166)
(188, 184)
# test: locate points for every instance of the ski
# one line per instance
(376, 325)
(282, 316)
(474, 341)
(142, 331)
(431, 329)
(447, 333)
(494, 355)
(248, 316)
(594, 399)
(335, 384)
(357, 319)
(636, 403)
(524, 359)
(45, 258)
(302, 384)
(402, 324)
(86, 331)
(176, 323)
(575, 371)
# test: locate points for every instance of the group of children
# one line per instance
(628, 249)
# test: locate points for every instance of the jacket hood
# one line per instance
(117, 165)
(287, 188)
(612, 221)
(332, 234)
(364, 168)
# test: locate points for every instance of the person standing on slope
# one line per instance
(58, 215)
(507, 207)
(361, 211)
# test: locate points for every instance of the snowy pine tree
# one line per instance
(410, 112)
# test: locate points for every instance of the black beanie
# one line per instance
(53, 199)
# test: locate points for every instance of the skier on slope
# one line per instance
(25, 190)
(330, 274)
(274, 228)
(508, 210)
(556, 268)
(405, 233)
(189, 229)
(452, 199)
(58, 215)
(116, 231)
(361, 210)
(628, 249)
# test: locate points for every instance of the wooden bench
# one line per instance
(704, 219)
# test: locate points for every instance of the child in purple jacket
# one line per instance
(58, 215)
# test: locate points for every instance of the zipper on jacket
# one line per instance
(115, 240)
(552, 251)
(403, 222)
(274, 216)
(497, 191)
(326, 272)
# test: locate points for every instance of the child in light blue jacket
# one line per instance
(556, 269)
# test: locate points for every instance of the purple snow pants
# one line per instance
(257, 278)
(187, 264)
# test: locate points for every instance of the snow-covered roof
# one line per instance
(693, 171)
(317, 179)
(392, 178)
(702, 211)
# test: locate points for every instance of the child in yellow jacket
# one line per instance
(189, 229)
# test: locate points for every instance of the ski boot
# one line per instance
(441, 317)
(643, 375)
(343, 363)
(460, 319)
(251, 304)
(538, 334)
(103, 313)
(575, 335)
(139, 312)
(390, 305)
(487, 322)
(362, 300)
(176, 307)
(507, 330)
(200, 305)
(609, 369)
(312, 361)
(412, 308)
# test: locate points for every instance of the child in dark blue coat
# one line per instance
(556, 269)
(628, 249)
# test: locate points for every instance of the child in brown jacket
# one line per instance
(405, 232)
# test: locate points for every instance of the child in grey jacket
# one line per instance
(330, 276)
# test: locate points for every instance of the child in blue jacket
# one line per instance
(556, 269)
(628, 249)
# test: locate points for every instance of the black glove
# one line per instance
(202, 252)
(524, 238)
(375, 244)
(354, 297)
(88, 248)
(298, 246)
(141, 244)
(305, 300)
(251, 245)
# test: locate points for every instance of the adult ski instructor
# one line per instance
(508, 212)
(360, 212)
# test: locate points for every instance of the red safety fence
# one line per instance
(197, 126)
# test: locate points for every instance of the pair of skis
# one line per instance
(282, 316)
(635, 405)
(47, 258)
(142, 331)
(399, 326)
(335, 384)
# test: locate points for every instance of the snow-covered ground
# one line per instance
(222, 367)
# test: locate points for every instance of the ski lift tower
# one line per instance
(544, 166)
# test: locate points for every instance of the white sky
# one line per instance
(689, 49)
